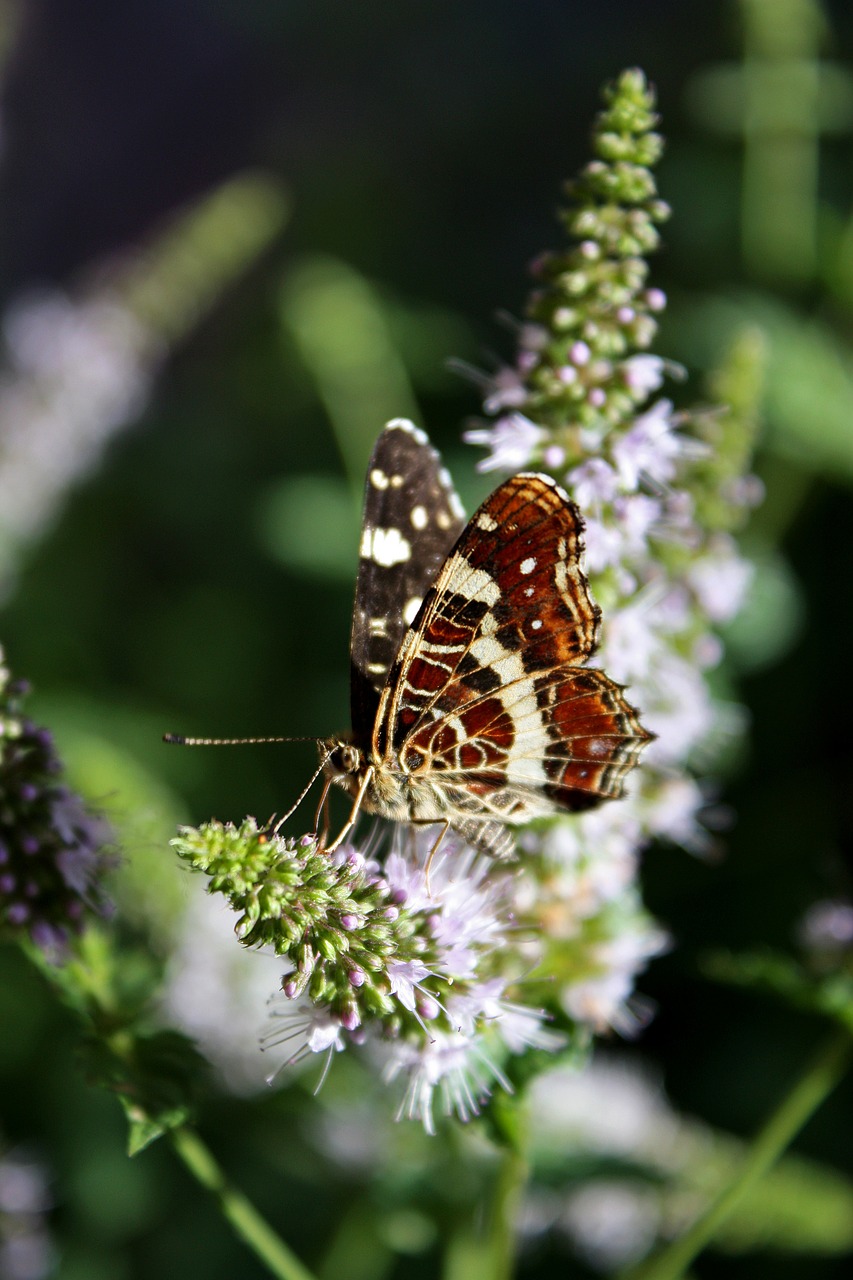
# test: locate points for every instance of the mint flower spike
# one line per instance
(427, 973)
(660, 491)
(53, 851)
(581, 366)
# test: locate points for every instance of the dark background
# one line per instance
(424, 145)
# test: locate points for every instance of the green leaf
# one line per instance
(808, 399)
(157, 1077)
(829, 994)
(143, 1129)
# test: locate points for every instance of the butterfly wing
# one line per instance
(488, 694)
(412, 517)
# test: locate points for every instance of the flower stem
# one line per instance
(487, 1250)
(818, 1081)
(247, 1223)
(510, 1185)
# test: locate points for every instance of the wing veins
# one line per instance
(545, 517)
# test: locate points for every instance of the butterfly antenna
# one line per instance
(179, 740)
(298, 801)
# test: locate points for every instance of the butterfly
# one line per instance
(472, 704)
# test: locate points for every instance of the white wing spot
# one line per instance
(536, 624)
(528, 591)
(386, 547)
(528, 565)
(395, 481)
(419, 517)
(378, 479)
(410, 609)
(404, 424)
(443, 520)
(486, 522)
(473, 584)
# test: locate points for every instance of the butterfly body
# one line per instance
(471, 698)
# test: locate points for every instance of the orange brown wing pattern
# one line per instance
(488, 694)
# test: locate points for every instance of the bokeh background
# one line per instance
(235, 237)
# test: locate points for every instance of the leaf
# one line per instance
(808, 397)
(829, 994)
(158, 1078)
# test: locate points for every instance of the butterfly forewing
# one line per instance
(488, 693)
(412, 517)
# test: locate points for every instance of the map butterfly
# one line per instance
(472, 705)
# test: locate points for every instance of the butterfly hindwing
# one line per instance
(488, 694)
(412, 517)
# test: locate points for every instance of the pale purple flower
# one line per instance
(533, 337)
(604, 545)
(631, 642)
(603, 1001)
(405, 977)
(593, 483)
(457, 1068)
(507, 390)
(678, 708)
(596, 856)
(720, 580)
(637, 515)
(650, 449)
(305, 1028)
(644, 374)
(513, 440)
(671, 812)
(466, 899)
(521, 1027)
(828, 926)
(553, 457)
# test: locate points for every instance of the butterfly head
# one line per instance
(343, 761)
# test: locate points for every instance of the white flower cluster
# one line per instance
(665, 583)
(468, 907)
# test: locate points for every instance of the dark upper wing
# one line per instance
(488, 690)
(412, 517)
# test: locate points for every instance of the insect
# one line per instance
(472, 705)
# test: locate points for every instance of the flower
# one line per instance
(453, 975)
(53, 851)
(459, 1068)
(512, 439)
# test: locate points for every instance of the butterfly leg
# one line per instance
(356, 805)
(433, 851)
(323, 812)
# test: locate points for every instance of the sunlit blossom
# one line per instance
(512, 441)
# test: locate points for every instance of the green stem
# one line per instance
(248, 1224)
(803, 1100)
(488, 1250)
(508, 1192)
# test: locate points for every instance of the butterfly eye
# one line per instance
(347, 759)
